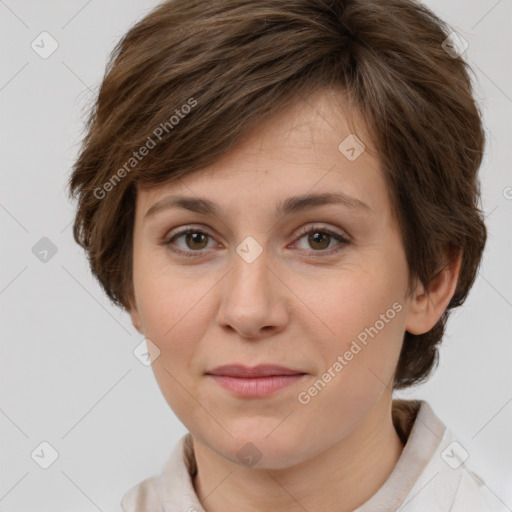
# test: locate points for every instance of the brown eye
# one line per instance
(196, 240)
(189, 242)
(319, 239)
(323, 242)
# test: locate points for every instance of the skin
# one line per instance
(292, 306)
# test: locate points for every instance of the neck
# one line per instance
(341, 478)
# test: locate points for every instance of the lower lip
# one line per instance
(256, 386)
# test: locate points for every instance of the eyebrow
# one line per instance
(289, 205)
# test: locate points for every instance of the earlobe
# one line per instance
(427, 306)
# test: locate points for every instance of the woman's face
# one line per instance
(315, 286)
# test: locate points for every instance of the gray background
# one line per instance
(68, 375)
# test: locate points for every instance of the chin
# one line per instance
(261, 449)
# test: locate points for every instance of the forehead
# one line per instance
(318, 145)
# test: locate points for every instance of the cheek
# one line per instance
(175, 313)
(363, 314)
(359, 362)
(168, 299)
(175, 317)
(347, 303)
(175, 322)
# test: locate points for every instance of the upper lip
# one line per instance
(262, 370)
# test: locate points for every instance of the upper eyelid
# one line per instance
(317, 226)
(183, 231)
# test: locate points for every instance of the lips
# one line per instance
(259, 381)
(263, 370)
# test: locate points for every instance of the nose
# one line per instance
(254, 301)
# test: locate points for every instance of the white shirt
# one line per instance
(430, 476)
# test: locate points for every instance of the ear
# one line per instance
(428, 306)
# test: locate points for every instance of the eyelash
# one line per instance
(304, 231)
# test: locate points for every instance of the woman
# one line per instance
(282, 195)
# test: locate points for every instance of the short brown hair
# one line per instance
(241, 61)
